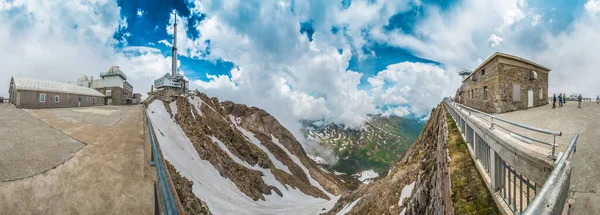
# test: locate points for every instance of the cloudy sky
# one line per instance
(331, 60)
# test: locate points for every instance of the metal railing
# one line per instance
(522, 195)
(166, 196)
(517, 135)
(552, 196)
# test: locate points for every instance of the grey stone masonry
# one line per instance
(502, 84)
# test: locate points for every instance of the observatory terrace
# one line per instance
(514, 154)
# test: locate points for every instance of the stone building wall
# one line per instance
(500, 76)
(31, 99)
(117, 95)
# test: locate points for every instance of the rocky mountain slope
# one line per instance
(418, 184)
(367, 151)
(238, 160)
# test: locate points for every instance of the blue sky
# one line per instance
(331, 60)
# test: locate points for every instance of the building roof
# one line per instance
(114, 71)
(506, 56)
(53, 86)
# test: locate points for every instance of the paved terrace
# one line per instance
(585, 178)
(109, 175)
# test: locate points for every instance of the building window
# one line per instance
(483, 72)
(541, 93)
(109, 93)
(516, 93)
(485, 93)
(56, 98)
(42, 97)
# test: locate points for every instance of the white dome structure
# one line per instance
(83, 81)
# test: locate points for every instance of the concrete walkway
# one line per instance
(585, 178)
(108, 176)
(29, 146)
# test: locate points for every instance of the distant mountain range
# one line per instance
(376, 146)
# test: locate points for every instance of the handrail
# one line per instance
(168, 202)
(540, 130)
(546, 200)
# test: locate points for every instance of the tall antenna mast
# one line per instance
(174, 52)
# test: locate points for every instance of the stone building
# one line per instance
(504, 83)
(35, 93)
(113, 84)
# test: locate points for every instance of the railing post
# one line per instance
(492, 127)
(553, 147)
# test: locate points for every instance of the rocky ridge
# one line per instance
(424, 166)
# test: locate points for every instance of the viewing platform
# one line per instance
(515, 156)
(570, 120)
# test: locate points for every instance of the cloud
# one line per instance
(592, 7)
(494, 41)
(140, 12)
(419, 85)
(572, 55)
(39, 42)
(536, 20)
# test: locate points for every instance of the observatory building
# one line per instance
(113, 84)
(504, 83)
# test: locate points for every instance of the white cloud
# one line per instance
(536, 20)
(419, 85)
(494, 41)
(39, 42)
(573, 57)
(592, 7)
(398, 111)
(140, 12)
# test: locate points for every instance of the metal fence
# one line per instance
(494, 124)
(517, 191)
(521, 194)
(164, 197)
(553, 195)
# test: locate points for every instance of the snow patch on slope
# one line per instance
(250, 136)
(317, 159)
(220, 194)
(366, 176)
(197, 103)
(173, 106)
(406, 191)
(312, 181)
(348, 207)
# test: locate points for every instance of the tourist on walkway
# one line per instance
(598, 99)
(579, 100)
(565, 98)
(554, 101)
(560, 100)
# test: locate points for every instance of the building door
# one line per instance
(530, 97)
(79, 101)
(109, 102)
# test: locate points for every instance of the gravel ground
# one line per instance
(29, 146)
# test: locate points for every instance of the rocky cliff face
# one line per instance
(418, 184)
(239, 159)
